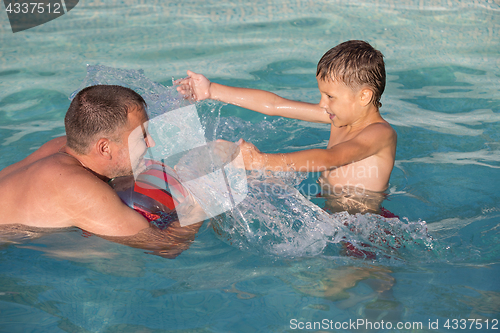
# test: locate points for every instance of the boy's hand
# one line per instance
(195, 86)
(252, 157)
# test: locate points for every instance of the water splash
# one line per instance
(160, 99)
(275, 218)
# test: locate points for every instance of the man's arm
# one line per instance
(97, 208)
(198, 87)
(367, 143)
(100, 211)
(168, 243)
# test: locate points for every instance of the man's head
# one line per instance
(356, 64)
(99, 111)
(109, 122)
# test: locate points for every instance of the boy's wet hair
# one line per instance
(99, 110)
(357, 64)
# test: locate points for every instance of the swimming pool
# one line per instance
(442, 97)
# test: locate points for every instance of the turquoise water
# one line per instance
(442, 97)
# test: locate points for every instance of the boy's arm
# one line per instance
(198, 87)
(369, 142)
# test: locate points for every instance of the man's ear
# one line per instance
(366, 96)
(103, 148)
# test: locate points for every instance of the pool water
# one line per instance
(442, 97)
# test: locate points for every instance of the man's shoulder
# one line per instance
(80, 180)
(41, 153)
(47, 149)
(65, 176)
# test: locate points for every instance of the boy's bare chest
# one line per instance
(339, 135)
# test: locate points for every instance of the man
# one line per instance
(64, 183)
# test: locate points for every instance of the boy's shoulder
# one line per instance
(376, 129)
(380, 130)
(377, 134)
(380, 126)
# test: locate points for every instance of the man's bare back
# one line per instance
(52, 189)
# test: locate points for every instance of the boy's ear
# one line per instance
(103, 148)
(366, 96)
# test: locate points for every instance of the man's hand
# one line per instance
(195, 86)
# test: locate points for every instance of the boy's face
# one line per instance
(340, 102)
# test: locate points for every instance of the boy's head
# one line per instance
(357, 64)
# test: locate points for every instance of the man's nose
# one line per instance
(150, 142)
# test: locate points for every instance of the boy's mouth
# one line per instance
(331, 115)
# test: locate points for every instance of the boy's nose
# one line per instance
(322, 103)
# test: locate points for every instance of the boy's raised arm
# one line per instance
(198, 87)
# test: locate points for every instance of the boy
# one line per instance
(358, 161)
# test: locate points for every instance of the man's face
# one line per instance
(133, 145)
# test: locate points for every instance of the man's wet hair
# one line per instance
(357, 64)
(99, 111)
